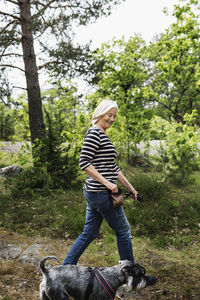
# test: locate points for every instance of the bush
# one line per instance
(60, 214)
(167, 214)
(179, 153)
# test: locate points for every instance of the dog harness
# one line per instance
(96, 273)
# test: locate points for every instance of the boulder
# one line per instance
(9, 251)
(11, 171)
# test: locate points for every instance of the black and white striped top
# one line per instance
(99, 151)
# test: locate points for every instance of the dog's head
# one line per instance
(134, 274)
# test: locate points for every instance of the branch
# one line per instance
(170, 109)
(11, 54)
(14, 21)
(11, 66)
(9, 15)
(46, 64)
(19, 87)
(39, 3)
(43, 9)
(14, 2)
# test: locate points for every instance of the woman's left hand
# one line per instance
(134, 193)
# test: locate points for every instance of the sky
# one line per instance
(131, 17)
(145, 17)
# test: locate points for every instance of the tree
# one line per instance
(122, 78)
(47, 26)
(175, 77)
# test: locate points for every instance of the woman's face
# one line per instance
(106, 120)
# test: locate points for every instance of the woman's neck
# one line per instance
(100, 127)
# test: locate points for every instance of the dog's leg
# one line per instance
(43, 296)
(57, 293)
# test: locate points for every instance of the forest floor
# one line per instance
(177, 270)
(176, 279)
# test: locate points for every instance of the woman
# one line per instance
(97, 159)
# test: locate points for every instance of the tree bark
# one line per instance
(36, 122)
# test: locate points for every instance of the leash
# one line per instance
(128, 195)
(104, 283)
(102, 280)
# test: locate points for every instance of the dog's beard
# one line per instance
(129, 284)
(142, 284)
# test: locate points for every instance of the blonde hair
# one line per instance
(101, 109)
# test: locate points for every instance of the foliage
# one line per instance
(169, 214)
(27, 24)
(22, 130)
(55, 19)
(57, 154)
(57, 212)
(59, 163)
(179, 151)
(66, 126)
(175, 75)
(7, 119)
(122, 77)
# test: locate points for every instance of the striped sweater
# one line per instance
(99, 151)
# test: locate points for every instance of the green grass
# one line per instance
(169, 214)
(165, 228)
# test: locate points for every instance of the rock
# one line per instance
(32, 255)
(9, 251)
(141, 161)
(11, 171)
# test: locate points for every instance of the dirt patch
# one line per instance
(19, 280)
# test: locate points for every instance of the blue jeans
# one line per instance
(99, 207)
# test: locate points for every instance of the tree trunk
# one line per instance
(36, 122)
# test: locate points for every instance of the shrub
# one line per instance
(179, 152)
(168, 214)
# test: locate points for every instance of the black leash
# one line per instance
(128, 195)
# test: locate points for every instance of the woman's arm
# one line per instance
(127, 184)
(90, 170)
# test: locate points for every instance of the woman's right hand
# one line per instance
(112, 186)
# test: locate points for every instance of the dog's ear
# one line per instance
(125, 265)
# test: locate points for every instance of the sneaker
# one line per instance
(150, 280)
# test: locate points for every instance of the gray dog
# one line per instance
(85, 283)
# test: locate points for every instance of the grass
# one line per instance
(169, 214)
(165, 231)
(177, 269)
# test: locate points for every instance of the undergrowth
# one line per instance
(169, 214)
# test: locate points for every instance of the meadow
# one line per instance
(165, 227)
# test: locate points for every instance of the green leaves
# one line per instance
(180, 147)
(176, 59)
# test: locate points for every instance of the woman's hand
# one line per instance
(133, 193)
(111, 186)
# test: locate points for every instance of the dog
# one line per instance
(85, 283)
